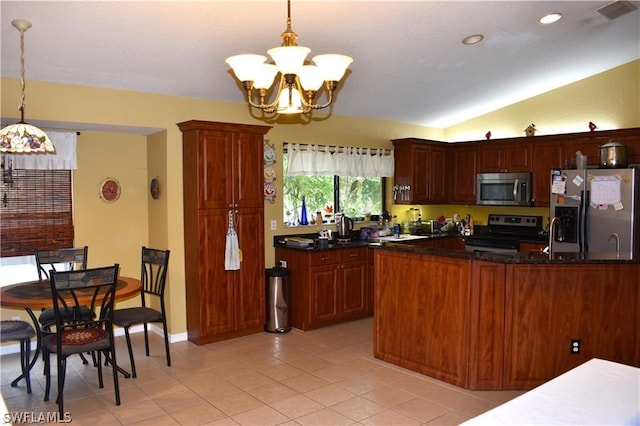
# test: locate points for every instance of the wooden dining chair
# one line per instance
(22, 331)
(153, 276)
(65, 259)
(74, 334)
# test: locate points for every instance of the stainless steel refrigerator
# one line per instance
(597, 210)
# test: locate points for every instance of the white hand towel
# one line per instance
(232, 248)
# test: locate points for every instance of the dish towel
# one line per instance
(232, 248)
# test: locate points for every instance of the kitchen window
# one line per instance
(326, 193)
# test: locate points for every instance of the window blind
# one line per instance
(36, 211)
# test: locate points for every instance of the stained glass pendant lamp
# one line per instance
(23, 138)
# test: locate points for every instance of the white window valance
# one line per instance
(314, 160)
(64, 158)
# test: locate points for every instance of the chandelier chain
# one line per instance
(22, 79)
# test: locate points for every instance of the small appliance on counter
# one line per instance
(431, 226)
(344, 226)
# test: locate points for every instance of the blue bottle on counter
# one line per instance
(303, 213)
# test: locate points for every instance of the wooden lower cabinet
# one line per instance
(491, 325)
(420, 320)
(328, 286)
(231, 303)
(548, 307)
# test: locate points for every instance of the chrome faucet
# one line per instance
(617, 238)
(552, 233)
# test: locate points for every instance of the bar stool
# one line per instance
(11, 330)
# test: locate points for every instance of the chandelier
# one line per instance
(23, 138)
(299, 83)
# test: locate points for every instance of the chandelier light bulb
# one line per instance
(289, 59)
(332, 66)
(244, 66)
(311, 78)
(264, 75)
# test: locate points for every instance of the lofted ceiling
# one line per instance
(409, 62)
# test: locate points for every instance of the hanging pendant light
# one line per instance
(23, 138)
(298, 85)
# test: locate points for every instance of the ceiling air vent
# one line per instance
(616, 9)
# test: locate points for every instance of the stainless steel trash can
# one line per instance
(277, 297)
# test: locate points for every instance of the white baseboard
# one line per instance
(14, 348)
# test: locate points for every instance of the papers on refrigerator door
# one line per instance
(605, 191)
(559, 184)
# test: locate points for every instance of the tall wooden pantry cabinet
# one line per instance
(223, 172)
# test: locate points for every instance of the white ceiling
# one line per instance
(409, 63)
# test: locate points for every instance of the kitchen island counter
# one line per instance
(483, 320)
(514, 258)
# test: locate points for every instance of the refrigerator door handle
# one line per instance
(584, 209)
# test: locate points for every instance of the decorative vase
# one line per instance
(303, 213)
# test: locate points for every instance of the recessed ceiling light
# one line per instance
(550, 18)
(472, 39)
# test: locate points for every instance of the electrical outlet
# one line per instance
(575, 346)
(273, 225)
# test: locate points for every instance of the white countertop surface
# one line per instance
(597, 392)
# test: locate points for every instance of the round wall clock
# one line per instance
(109, 190)
(154, 188)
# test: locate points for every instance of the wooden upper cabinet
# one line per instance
(462, 167)
(589, 144)
(419, 176)
(549, 154)
(228, 163)
(501, 157)
(437, 172)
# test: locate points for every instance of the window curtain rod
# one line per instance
(334, 148)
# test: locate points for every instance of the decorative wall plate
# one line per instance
(269, 174)
(269, 153)
(109, 190)
(270, 192)
(154, 188)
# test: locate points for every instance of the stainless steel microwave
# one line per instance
(503, 189)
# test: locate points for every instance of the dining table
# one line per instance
(36, 295)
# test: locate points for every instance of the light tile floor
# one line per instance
(321, 377)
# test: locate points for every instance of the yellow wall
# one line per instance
(108, 228)
(610, 99)
(116, 232)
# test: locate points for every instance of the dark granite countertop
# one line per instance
(510, 258)
(515, 258)
(279, 241)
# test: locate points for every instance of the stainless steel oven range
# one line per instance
(503, 233)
